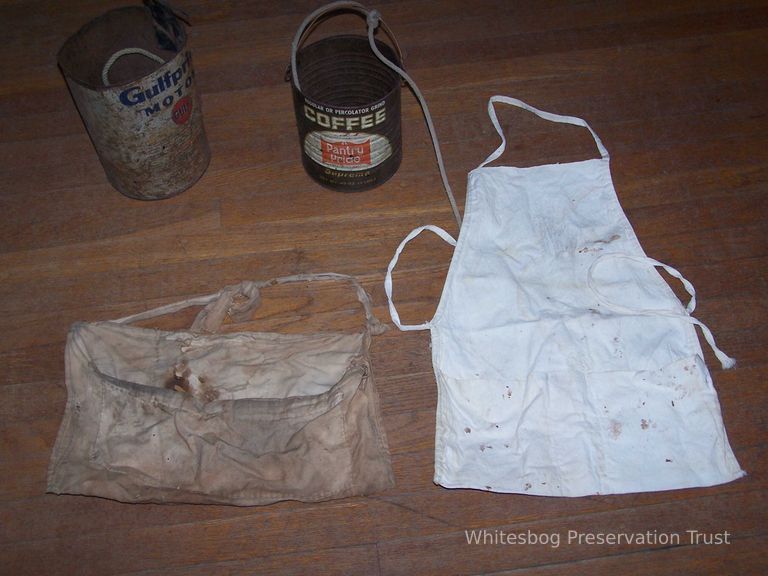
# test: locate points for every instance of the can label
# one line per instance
(167, 90)
(349, 125)
(349, 148)
(347, 151)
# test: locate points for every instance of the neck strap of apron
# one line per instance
(541, 114)
(238, 302)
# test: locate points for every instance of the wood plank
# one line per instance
(739, 515)
(180, 242)
(410, 541)
(342, 561)
(738, 557)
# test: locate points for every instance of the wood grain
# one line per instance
(676, 90)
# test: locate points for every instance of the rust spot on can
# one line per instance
(133, 82)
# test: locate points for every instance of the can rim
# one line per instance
(381, 45)
(98, 87)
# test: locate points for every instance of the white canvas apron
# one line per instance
(565, 364)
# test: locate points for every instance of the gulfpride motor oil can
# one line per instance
(130, 74)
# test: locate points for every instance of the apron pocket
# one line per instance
(520, 436)
(661, 429)
(163, 445)
(575, 433)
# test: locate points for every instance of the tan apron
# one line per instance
(239, 418)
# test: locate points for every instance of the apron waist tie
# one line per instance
(725, 361)
(388, 278)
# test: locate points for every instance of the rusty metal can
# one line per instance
(130, 74)
(347, 107)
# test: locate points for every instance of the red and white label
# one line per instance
(346, 153)
(182, 110)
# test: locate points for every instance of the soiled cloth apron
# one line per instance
(565, 364)
(238, 418)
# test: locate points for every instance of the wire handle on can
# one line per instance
(317, 17)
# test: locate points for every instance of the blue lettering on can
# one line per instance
(135, 95)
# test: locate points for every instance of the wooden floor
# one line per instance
(677, 90)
